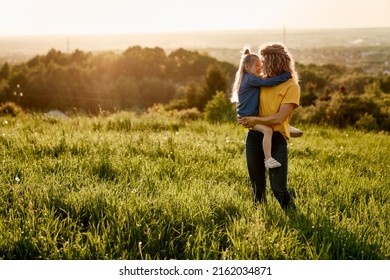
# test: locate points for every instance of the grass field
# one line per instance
(152, 187)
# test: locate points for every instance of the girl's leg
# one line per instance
(269, 161)
(267, 131)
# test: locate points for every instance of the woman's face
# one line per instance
(256, 68)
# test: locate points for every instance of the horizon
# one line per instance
(224, 45)
(90, 17)
(283, 29)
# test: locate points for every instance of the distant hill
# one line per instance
(224, 45)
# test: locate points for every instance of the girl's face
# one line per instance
(255, 69)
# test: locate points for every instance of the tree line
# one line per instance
(136, 78)
(182, 79)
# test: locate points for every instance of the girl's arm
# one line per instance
(260, 82)
(285, 110)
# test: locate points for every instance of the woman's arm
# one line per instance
(285, 110)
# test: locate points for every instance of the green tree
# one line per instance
(344, 110)
(4, 72)
(214, 81)
(57, 57)
(373, 89)
(309, 96)
(140, 62)
(192, 94)
(219, 109)
(126, 93)
(186, 64)
(154, 90)
(385, 83)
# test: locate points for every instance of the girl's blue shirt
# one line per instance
(249, 93)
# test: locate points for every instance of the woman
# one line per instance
(246, 88)
(277, 104)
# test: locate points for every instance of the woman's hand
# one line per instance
(247, 122)
(285, 110)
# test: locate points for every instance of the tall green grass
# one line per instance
(155, 187)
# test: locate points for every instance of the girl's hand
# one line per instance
(247, 122)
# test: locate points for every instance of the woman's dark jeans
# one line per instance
(257, 171)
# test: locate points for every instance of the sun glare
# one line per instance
(14, 16)
(24, 17)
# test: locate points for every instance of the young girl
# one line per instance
(246, 94)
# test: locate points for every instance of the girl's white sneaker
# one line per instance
(272, 163)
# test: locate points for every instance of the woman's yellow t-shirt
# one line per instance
(272, 97)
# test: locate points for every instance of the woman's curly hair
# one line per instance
(277, 59)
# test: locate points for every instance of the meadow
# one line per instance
(127, 186)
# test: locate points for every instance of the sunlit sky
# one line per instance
(43, 17)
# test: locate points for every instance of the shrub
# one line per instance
(219, 109)
(10, 108)
(312, 114)
(368, 123)
(189, 114)
(384, 123)
(176, 104)
(344, 110)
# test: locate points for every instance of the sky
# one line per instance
(50, 17)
